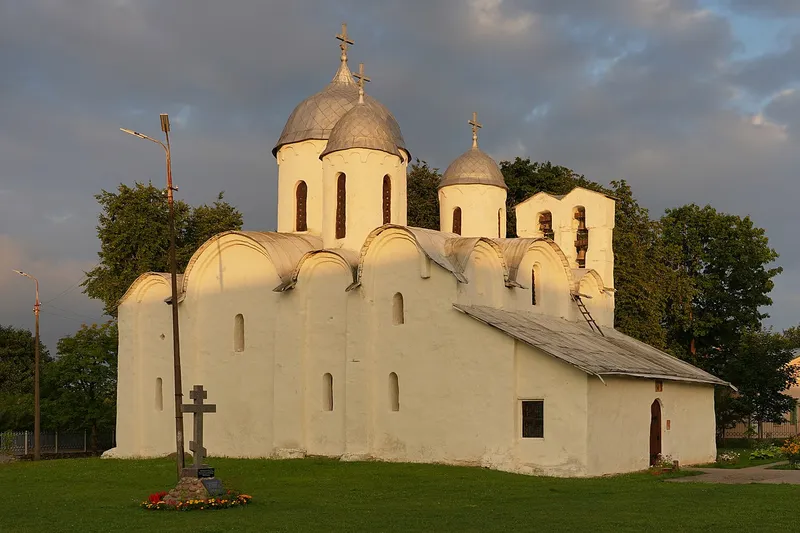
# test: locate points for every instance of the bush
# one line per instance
(791, 449)
(728, 458)
(768, 451)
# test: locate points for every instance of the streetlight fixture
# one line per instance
(176, 345)
(37, 448)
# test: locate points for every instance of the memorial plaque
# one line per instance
(213, 486)
(205, 472)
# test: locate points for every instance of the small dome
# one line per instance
(364, 127)
(473, 167)
(315, 117)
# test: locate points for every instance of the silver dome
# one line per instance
(315, 117)
(473, 167)
(364, 127)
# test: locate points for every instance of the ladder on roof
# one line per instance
(586, 314)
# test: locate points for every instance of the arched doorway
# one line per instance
(655, 432)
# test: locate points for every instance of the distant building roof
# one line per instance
(576, 344)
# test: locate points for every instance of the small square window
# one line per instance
(533, 419)
(659, 385)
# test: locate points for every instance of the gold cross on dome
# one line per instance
(361, 79)
(345, 41)
(475, 125)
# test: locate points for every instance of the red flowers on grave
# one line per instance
(157, 497)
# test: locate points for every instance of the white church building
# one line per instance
(348, 334)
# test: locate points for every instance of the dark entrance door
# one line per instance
(655, 432)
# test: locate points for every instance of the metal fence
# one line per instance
(769, 430)
(21, 442)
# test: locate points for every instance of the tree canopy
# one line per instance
(134, 237)
(17, 356)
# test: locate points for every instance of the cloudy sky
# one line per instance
(689, 100)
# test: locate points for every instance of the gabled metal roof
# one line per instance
(576, 344)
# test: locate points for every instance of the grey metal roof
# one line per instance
(362, 127)
(473, 167)
(576, 344)
(166, 276)
(315, 117)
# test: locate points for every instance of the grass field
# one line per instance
(86, 495)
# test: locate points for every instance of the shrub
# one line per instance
(768, 451)
(728, 458)
(791, 449)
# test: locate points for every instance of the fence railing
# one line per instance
(21, 442)
(769, 430)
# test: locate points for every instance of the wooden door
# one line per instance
(655, 432)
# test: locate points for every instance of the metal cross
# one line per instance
(197, 407)
(345, 41)
(361, 79)
(475, 125)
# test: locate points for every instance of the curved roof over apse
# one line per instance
(447, 250)
(164, 277)
(363, 127)
(473, 167)
(514, 251)
(284, 250)
(316, 116)
(347, 257)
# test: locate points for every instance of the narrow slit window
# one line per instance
(398, 310)
(159, 394)
(394, 392)
(387, 199)
(341, 207)
(238, 333)
(301, 199)
(533, 286)
(327, 392)
(499, 223)
(582, 237)
(533, 419)
(457, 221)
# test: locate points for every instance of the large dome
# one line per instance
(315, 117)
(473, 167)
(364, 127)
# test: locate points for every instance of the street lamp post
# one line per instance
(176, 344)
(37, 444)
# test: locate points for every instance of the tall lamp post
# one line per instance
(37, 448)
(176, 344)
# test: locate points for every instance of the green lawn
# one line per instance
(744, 459)
(86, 495)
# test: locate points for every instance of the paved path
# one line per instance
(753, 474)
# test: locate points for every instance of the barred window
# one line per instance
(341, 207)
(533, 419)
(387, 199)
(301, 198)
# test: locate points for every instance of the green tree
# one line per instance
(85, 380)
(134, 237)
(423, 196)
(758, 365)
(725, 259)
(17, 356)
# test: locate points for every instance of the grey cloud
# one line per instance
(632, 89)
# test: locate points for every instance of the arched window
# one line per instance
(341, 206)
(533, 285)
(327, 392)
(394, 392)
(582, 237)
(398, 313)
(546, 225)
(159, 394)
(387, 199)
(499, 223)
(457, 221)
(301, 198)
(238, 333)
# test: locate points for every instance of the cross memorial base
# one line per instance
(202, 471)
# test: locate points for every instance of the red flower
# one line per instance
(157, 497)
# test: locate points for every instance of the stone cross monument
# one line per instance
(198, 408)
